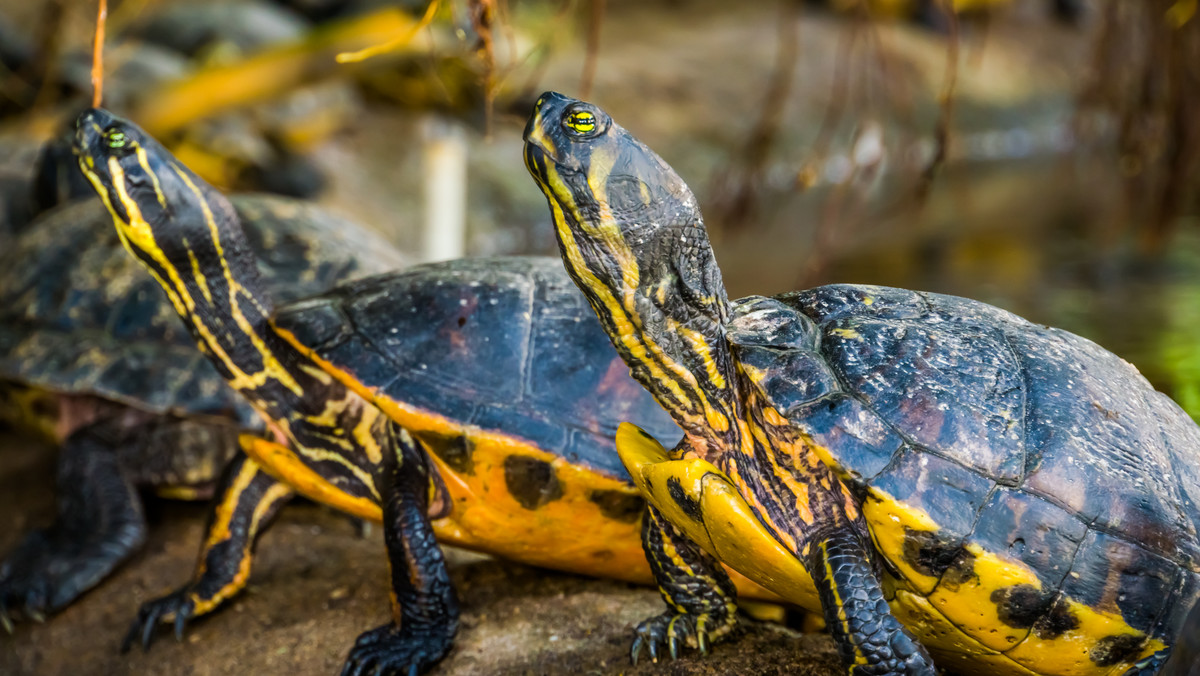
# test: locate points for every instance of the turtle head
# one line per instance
(154, 200)
(632, 238)
(610, 188)
(180, 227)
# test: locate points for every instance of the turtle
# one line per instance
(920, 466)
(471, 401)
(92, 357)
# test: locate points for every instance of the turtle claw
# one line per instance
(672, 630)
(177, 607)
(391, 651)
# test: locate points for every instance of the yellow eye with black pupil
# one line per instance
(581, 122)
(116, 139)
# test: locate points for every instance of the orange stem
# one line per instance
(98, 56)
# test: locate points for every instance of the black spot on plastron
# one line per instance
(929, 552)
(453, 449)
(531, 482)
(1020, 606)
(619, 505)
(1057, 622)
(1111, 650)
(689, 505)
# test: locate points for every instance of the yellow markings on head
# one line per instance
(727, 528)
(849, 334)
(678, 381)
(631, 338)
(137, 235)
(145, 162)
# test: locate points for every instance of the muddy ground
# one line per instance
(317, 584)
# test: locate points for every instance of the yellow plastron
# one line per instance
(727, 528)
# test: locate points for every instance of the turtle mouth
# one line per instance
(537, 144)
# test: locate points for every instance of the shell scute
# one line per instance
(954, 390)
(458, 328)
(789, 378)
(1034, 531)
(1095, 444)
(843, 301)
(770, 322)
(1112, 574)
(503, 345)
(318, 323)
(857, 439)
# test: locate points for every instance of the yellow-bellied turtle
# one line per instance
(1031, 501)
(92, 355)
(479, 393)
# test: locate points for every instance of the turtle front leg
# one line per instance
(869, 637)
(99, 524)
(247, 500)
(701, 599)
(424, 606)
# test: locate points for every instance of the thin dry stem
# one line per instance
(98, 55)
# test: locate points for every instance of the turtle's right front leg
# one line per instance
(701, 599)
(247, 499)
(424, 606)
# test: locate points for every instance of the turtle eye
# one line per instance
(116, 139)
(580, 122)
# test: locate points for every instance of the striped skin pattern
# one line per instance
(395, 369)
(93, 357)
(1033, 498)
(187, 235)
(631, 237)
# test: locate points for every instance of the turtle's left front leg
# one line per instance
(424, 606)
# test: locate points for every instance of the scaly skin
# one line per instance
(632, 239)
(190, 239)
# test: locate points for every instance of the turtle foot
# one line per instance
(48, 571)
(391, 650)
(672, 629)
(177, 607)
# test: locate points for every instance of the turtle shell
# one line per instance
(79, 315)
(1033, 497)
(501, 345)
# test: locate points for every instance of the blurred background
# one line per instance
(1041, 155)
